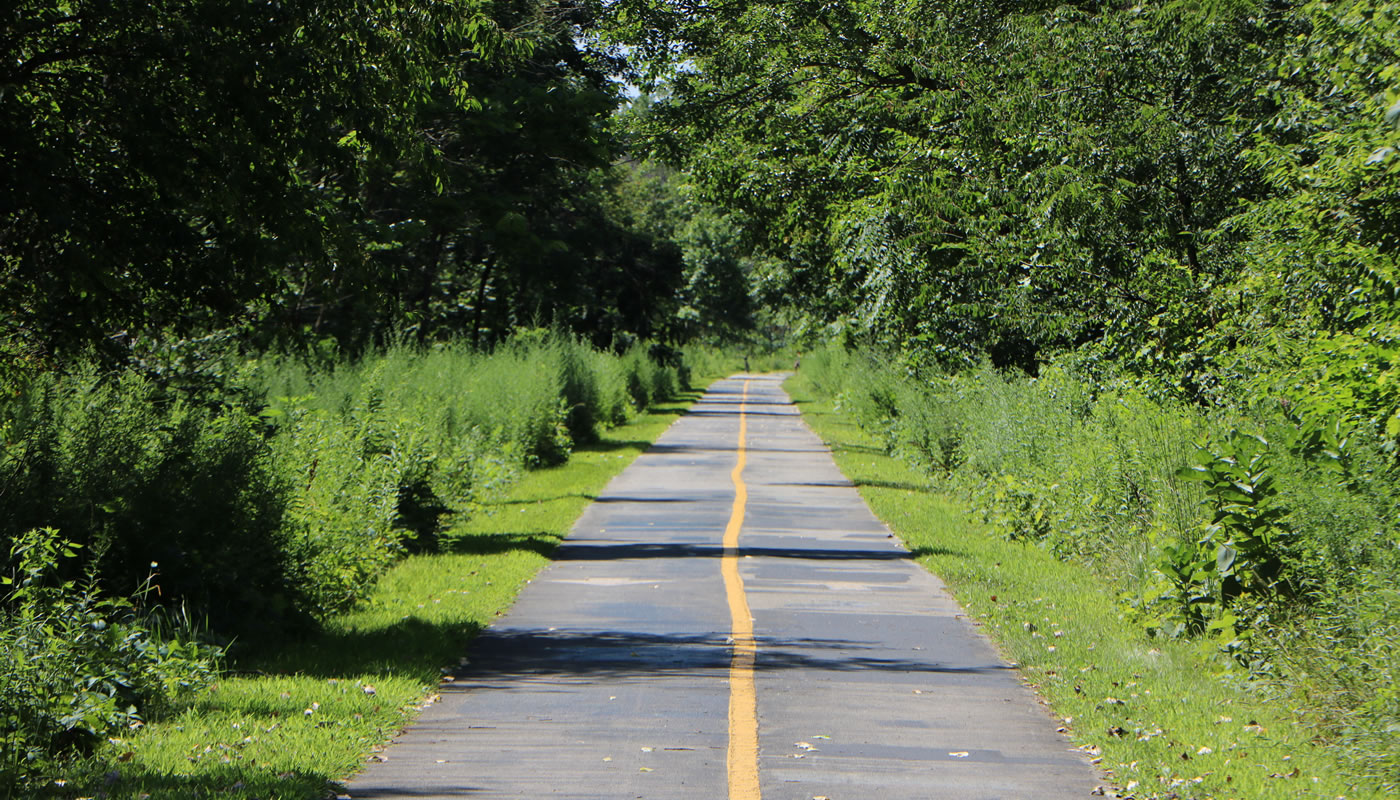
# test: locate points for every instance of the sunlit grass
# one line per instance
(292, 722)
(1160, 720)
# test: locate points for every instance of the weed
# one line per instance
(1159, 716)
(76, 668)
(1240, 546)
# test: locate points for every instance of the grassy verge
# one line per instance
(1160, 721)
(290, 724)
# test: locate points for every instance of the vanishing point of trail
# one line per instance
(729, 620)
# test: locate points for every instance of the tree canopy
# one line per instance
(434, 168)
(1022, 178)
(1195, 191)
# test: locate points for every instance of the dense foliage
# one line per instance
(1271, 545)
(78, 666)
(439, 167)
(1184, 187)
(1179, 216)
(253, 520)
(292, 503)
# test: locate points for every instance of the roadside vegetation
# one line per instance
(298, 488)
(1187, 585)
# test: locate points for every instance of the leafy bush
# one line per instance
(701, 359)
(76, 667)
(285, 488)
(1278, 551)
(647, 381)
(1043, 459)
(614, 400)
(381, 454)
(1227, 581)
(137, 477)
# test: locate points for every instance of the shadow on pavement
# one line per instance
(686, 448)
(508, 655)
(586, 551)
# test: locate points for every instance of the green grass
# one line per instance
(1159, 719)
(294, 722)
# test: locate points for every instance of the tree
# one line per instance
(713, 300)
(294, 170)
(973, 176)
(162, 163)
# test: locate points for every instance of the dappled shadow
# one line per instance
(412, 647)
(503, 656)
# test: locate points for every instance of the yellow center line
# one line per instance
(743, 700)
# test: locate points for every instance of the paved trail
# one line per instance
(625, 670)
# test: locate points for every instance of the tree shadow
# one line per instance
(504, 656)
(727, 448)
(698, 411)
(583, 550)
(848, 484)
(484, 544)
(859, 448)
(900, 485)
(537, 500)
(233, 781)
(413, 646)
(613, 445)
(926, 550)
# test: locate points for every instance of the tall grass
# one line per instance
(291, 499)
(276, 495)
(1268, 541)
(145, 480)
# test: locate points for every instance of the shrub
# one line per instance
(285, 488)
(614, 400)
(637, 372)
(1278, 552)
(705, 360)
(136, 477)
(75, 667)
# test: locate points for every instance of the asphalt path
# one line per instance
(618, 672)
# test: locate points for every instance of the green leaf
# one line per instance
(1225, 559)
